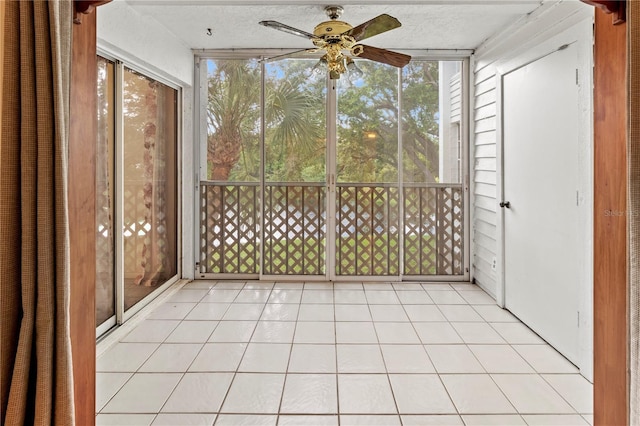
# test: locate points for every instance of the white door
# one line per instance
(540, 126)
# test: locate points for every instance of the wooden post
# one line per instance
(611, 401)
(82, 233)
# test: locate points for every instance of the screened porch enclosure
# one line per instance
(308, 177)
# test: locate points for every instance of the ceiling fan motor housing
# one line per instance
(331, 28)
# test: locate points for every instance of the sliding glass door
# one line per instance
(136, 187)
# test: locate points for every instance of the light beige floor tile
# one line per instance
(355, 332)
(310, 394)
(421, 313)
(365, 394)
(317, 296)
(184, 419)
(453, 359)
(476, 394)
(414, 298)
(517, 333)
(171, 358)
(477, 333)
(420, 394)
(303, 420)
(460, 313)
(219, 357)
(252, 296)
(188, 295)
(107, 384)
(370, 420)
(381, 297)
(124, 419)
(208, 311)
(529, 393)
(433, 420)
(396, 332)
(192, 332)
(285, 296)
(233, 331)
(246, 420)
(446, 297)
(406, 359)
(156, 388)
(575, 389)
(350, 297)
(150, 331)
(554, 420)
(315, 332)
(280, 312)
(500, 359)
(437, 286)
(316, 312)
(220, 296)
(491, 420)
(274, 332)
(437, 333)
(352, 313)
(493, 313)
(243, 312)
(265, 358)
(388, 313)
(199, 393)
(172, 311)
(360, 359)
(312, 359)
(477, 297)
(545, 359)
(254, 393)
(125, 357)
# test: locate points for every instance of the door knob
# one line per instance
(504, 204)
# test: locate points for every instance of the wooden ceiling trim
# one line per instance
(616, 7)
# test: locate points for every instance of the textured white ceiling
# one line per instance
(435, 24)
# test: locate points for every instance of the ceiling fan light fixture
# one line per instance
(355, 73)
(320, 67)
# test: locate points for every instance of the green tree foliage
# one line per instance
(295, 122)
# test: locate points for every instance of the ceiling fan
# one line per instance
(341, 43)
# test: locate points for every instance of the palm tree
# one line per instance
(293, 123)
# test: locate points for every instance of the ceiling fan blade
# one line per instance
(288, 55)
(385, 56)
(375, 26)
(287, 29)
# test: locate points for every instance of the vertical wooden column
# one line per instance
(82, 196)
(610, 223)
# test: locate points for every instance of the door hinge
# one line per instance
(577, 77)
(578, 319)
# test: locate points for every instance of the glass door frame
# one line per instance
(121, 315)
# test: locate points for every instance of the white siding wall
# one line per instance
(517, 41)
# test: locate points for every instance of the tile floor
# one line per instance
(257, 353)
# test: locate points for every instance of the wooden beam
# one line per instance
(82, 232)
(610, 223)
(616, 7)
(85, 7)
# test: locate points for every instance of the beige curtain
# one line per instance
(633, 140)
(35, 350)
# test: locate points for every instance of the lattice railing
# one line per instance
(367, 229)
(229, 231)
(433, 229)
(294, 229)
